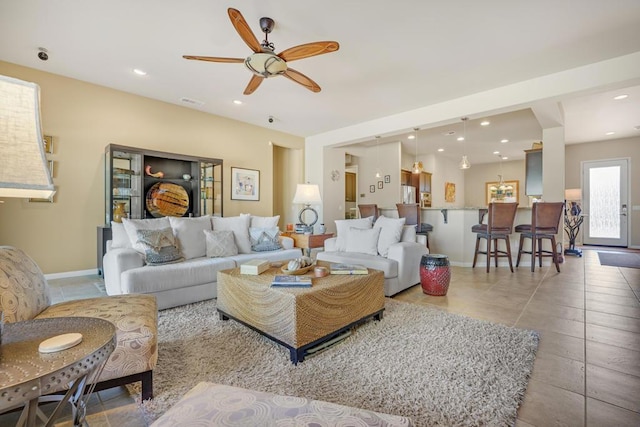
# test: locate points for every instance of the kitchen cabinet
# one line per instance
(405, 177)
(350, 187)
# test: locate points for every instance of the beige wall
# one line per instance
(83, 118)
(612, 149)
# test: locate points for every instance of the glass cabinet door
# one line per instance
(123, 180)
(210, 189)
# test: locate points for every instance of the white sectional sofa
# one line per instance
(177, 259)
(387, 245)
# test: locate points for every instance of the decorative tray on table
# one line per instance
(302, 270)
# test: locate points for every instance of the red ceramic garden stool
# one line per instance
(435, 274)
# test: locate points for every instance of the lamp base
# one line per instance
(576, 252)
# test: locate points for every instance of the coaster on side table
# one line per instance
(60, 342)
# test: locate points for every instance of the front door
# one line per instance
(605, 185)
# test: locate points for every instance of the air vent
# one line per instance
(637, 127)
(449, 133)
(191, 101)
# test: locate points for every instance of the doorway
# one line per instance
(351, 192)
(606, 202)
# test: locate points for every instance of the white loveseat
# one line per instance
(191, 252)
(387, 245)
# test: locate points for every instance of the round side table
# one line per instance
(28, 375)
(435, 274)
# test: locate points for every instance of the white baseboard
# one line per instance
(66, 274)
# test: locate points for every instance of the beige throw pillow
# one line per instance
(363, 241)
(342, 228)
(390, 233)
(133, 225)
(189, 233)
(240, 227)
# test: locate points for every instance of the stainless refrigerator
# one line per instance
(408, 194)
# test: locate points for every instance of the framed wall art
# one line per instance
(449, 192)
(380, 185)
(505, 191)
(245, 184)
(372, 189)
(387, 179)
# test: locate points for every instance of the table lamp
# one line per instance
(572, 218)
(307, 195)
(23, 165)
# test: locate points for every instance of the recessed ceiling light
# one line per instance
(139, 72)
(496, 152)
(619, 97)
(504, 141)
(440, 150)
(610, 133)
(485, 123)
(411, 137)
(237, 102)
(505, 158)
(460, 138)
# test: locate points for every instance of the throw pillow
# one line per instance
(264, 239)
(363, 240)
(119, 236)
(159, 246)
(408, 233)
(390, 232)
(240, 227)
(220, 243)
(342, 227)
(133, 225)
(189, 233)
(264, 221)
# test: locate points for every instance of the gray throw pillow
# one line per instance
(264, 239)
(159, 246)
(220, 243)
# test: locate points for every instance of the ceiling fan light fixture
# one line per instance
(266, 64)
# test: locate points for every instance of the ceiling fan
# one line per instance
(263, 62)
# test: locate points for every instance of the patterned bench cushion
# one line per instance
(136, 320)
(209, 404)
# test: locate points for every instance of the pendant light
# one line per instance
(464, 163)
(417, 166)
(378, 175)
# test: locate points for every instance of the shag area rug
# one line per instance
(420, 362)
(620, 259)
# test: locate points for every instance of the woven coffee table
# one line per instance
(300, 318)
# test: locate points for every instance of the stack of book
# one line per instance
(348, 269)
(292, 281)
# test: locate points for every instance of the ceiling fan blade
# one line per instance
(212, 58)
(300, 78)
(308, 49)
(253, 84)
(241, 26)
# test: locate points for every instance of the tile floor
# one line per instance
(587, 369)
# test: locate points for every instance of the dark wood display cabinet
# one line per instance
(150, 184)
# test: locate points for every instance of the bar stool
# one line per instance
(411, 213)
(369, 210)
(498, 227)
(545, 220)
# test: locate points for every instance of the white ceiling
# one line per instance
(393, 57)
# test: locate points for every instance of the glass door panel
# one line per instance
(605, 199)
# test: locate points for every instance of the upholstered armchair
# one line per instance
(25, 295)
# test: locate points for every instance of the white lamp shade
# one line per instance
(23, 165)
(307, 194)
(573, 194)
